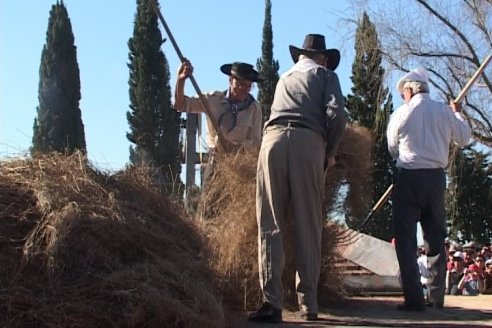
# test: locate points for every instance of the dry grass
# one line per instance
(81, 248)
(232, 228)
(354, 168)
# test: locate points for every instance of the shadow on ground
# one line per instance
(380, 312)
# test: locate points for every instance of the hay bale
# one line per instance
(354, 169)
(83, 248)
(233, 236)
(233, 233)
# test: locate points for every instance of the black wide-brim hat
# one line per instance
(315, 43)
(242, 71)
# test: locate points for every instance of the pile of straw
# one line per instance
(232, 228)
(83, 248)
(353, 169)
(79, 247)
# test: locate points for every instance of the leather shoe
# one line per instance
(309, 316)
(266, 313)
(411, 307)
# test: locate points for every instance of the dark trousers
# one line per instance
(419, 196)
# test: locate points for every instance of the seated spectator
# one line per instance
(480, 263)
(469, 258)
(447, 246)
(454, 276)
(451, 251)
(423, 269)
(469, 285)
(486, 253)
(469, 246)
(486, 287)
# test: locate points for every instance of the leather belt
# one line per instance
(290, 124)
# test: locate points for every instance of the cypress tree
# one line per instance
(58, 125)
(370, 105)
(267, 65)
(468, 197)
(382, 177)
(367, 76)
(154, 125)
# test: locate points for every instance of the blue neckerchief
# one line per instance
(234, 108)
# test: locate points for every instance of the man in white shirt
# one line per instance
(419, 134)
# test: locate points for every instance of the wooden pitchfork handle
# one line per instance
(377, 206)
(473, 79)
(222, 142)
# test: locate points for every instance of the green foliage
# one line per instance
(154, 125)
(267, 65)
(368, 93)
(370, 105)
(469, 195)
(381, 225)
(58, 125)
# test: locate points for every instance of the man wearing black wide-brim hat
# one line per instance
(300, 141)
(237, 114)
(234, 111)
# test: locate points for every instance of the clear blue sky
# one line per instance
(210, 33)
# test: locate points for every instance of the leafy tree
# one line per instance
(154, 125)
(267, 65)
(367, 107)
(58, 125)
(469, 195)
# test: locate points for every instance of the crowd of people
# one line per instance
(468, 269)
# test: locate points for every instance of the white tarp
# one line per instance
(373, 254)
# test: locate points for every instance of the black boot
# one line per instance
(266, 313)
(309, 316)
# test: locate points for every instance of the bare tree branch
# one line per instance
(450, 41)
(440, 55)
(446, 22)
(480, 17)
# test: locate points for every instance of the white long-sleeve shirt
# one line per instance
(419, 133)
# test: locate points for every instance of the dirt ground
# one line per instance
(459, 311)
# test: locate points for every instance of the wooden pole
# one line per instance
(222, 141)
(473, 78)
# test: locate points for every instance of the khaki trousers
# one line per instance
(290, 173)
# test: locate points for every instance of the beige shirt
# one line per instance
(246, 133)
